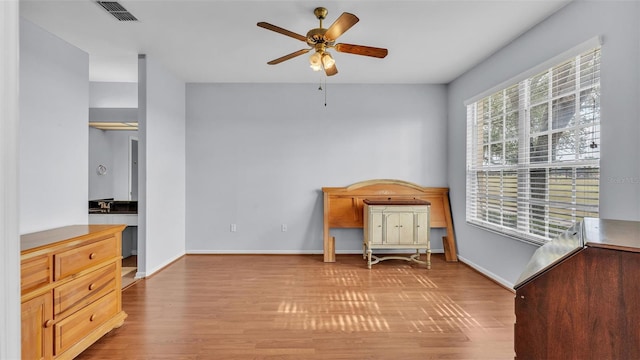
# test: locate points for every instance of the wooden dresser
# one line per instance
(578, 296)
(396, 224)
(71, 289)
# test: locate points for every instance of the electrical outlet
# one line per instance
(284, 227)
(233, 228)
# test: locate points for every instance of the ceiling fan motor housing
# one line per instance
(316, 36)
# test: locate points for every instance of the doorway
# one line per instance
(130, 262)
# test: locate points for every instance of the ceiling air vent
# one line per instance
(118, 11)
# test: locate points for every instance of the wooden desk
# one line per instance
(578, 296)
(343, 208)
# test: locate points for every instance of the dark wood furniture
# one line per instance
(578, 297)
(343, 208)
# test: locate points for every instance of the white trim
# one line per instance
(592, 43)
(255, 252)
(131, 140)
(9, 228)
(159, 267)
(487, 273)
(142, 166)
(282, 252)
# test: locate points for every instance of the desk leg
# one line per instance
(329, 242)
(329, 248)
(449, 249)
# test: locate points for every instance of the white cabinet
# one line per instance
(130, 233)
(114, 218)
(396, 224)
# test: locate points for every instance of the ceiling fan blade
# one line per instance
(362, 50)
(288, 56)
(342, 24)
(282, 31)
(331, 71)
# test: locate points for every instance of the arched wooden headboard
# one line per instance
(343, 208)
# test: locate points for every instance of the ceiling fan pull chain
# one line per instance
(325, 91)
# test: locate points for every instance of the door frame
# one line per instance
(131, 140)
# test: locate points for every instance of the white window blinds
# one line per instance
(533, 152)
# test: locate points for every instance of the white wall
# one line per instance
(113, 94)
(111, 149)
(100, 186)
(53, 131)
(9, 238)
(162, 167)
(259, 154)
(618, 24)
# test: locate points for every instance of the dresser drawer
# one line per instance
(34, 273)
(83, 257)
(75, 327)
(84, 290)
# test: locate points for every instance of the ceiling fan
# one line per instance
(321, 39)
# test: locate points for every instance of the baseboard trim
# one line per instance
(283, 252)
(161, 266)
(254, 252)
(493, 277)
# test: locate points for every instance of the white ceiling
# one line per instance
(429, 41)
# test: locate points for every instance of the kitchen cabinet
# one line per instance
(396, 224)
(70, 289)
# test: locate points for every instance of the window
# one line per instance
(533, 152)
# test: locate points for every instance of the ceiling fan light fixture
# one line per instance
(327, 60)
(315, 61)
(321, 39)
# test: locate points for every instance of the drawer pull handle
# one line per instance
(92, 256)
(48, 323)
(92, 286)
(93, 317)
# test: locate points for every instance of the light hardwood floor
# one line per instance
(129, 269)
(298, 307)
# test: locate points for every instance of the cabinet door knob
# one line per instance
(92, 256)
(92, 286)
(48, 323)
